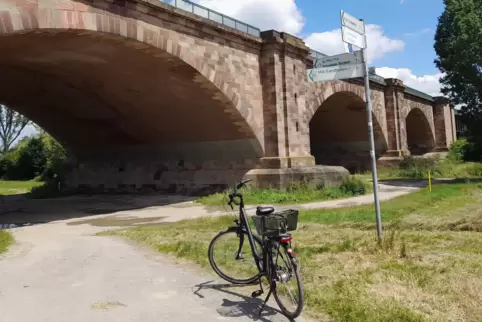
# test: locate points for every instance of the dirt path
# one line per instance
(60, 271)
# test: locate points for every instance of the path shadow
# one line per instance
(420, 183)
(20, 210)
(246, 306)
(408, 183)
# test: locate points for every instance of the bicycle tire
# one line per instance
(291, 314)
(215, 266)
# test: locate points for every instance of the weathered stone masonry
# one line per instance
(150, 96)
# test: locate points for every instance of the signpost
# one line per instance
(335, 72)
(339, 60)
(350, 65)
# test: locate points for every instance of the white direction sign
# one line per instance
(351, 37)
(353, 23)
(339, 60)
(336, 72)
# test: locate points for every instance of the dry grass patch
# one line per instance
(6, 240)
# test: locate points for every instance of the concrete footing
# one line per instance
(206, 182)
(284, 178)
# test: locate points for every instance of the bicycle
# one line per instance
(275, 243)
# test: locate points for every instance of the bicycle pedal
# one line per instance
(257, 293)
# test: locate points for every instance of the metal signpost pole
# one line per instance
(372, 143)
(353, 64)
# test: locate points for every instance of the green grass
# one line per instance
(427, 268)
(6, 240)
(419, 168)
(17, 187)
(353, 186)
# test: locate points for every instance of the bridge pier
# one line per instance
(287, 159)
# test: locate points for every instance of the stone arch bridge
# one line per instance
(176, 97)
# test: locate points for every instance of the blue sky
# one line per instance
(414, 22)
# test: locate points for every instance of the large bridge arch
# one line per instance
(51, 55)
(417, 127)
(339, 130)
(420, 138)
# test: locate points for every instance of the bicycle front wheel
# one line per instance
(231, 257)
(288, 291)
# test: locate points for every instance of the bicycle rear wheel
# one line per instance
(231, 253)
(290, 300)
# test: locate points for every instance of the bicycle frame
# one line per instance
(244, 222)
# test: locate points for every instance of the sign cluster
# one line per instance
(347, 65)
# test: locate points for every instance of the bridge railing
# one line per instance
(215, 16)
(415, 92)
(249, 29)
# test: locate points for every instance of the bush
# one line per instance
(411, 167)
(458, 150)
(26, 161)
(56, 159)
(474, 170)
(354, 186)
(34, 157)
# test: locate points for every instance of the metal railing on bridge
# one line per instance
(214, 16)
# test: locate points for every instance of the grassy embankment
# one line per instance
(428, 267)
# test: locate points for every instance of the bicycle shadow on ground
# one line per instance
(247, 306)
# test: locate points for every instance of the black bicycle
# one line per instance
(273, 257)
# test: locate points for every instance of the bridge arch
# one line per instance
(339, 130)
(420, 137)
(148, 68)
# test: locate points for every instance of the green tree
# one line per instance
(12, 124)
(458, 45)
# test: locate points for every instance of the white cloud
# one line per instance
(427, 83)
(378, 44)
(281, 15)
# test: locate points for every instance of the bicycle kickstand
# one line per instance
(264, 304)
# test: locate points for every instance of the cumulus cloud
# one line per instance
(281, 15)
(378, 44)
(429, 84)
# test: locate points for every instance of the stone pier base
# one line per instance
(313, 177)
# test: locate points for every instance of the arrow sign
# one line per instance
(339, 60)
(336, 72)
(353, 23)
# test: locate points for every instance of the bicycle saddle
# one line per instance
(264, 211)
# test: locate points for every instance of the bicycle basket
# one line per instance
(276, 223)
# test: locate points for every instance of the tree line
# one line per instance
(458, 45)
(38, 157)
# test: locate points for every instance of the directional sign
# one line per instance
(339, 60)
(337, 72)
(353, 23)
(351, 37)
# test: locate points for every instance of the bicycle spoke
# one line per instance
(290, 301)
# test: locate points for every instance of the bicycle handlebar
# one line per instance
(235, 193)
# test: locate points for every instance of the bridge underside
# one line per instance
(339, 133)
(132, 115)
